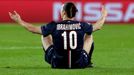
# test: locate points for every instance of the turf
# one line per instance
(21, 52)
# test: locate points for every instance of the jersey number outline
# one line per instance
(72, 39)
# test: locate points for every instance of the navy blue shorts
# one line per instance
(57, 61)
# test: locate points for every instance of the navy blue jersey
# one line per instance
(67, 35)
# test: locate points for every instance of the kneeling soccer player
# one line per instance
(69, 43)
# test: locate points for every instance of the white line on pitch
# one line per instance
(20, 47)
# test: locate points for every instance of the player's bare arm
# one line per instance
(99, 24)
(16, 17)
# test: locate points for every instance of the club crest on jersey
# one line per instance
(68, 26)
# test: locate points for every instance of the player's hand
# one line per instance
(15, 16)
(104, 11)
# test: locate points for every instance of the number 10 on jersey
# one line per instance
(72, 39)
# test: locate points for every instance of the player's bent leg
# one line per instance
(91, 52)
(89, 47)
(48, 48)
(88, 43)
(46, 42)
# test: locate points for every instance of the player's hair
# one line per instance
(70, 9)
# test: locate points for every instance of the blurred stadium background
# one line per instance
(21, 52)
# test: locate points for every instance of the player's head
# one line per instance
(68, 10)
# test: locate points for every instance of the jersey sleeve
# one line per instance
(47, 29)
(87, 28)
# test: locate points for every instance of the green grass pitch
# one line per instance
(21, 52)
